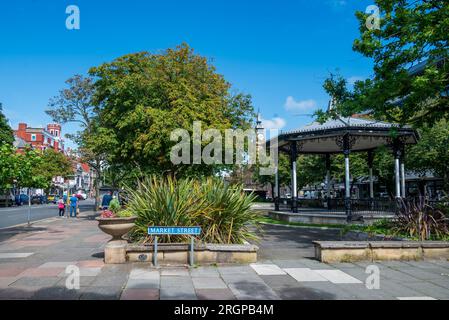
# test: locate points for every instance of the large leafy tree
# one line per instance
(143, 97)
(6, 133)
(432, 152)
(53, 164)
(8, 166)
(410, 33)
(74, 105)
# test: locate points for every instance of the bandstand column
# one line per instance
(403, 173)
(276, 189)
(370, 168)
(328, 180)
(293, 158)
(347, 151)
(397, 167)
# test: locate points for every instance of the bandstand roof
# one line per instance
(366, 134)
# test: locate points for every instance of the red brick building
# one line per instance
(41, 138)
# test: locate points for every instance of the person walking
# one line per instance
(107, 198)
(73, 206)
(61, 207)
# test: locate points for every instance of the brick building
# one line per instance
(41, 138)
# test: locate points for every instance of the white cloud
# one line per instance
(352, 80)
(304, 105)
(275, 123)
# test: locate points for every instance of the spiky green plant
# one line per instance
(419, 219)
(223, 212)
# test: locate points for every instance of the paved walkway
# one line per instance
(33, 265)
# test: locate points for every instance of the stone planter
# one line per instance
(116, 227)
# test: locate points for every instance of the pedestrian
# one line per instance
(73, 206)
(61, 207)
(106, 200)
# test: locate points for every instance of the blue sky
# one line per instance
(280, 51)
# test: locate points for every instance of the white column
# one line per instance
(397, 177)
(276, 183)
(402, 179)
(347, 178)
(371, 184)
(294, 187)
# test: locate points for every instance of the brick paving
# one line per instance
(33, 264)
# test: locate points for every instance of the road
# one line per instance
(17, 215)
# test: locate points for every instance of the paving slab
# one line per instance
(181, 293)
(337, 276)
(142, 284)
(35, 282)
(42, 272)
(416, 298)
(89, 272)
(203, 272)
(312, 291)
(58, 264)
(57, 293)
(252, 291)
(208, 283)
(139, 273)
(13, 255)
(279, 281)
(214, 294)
(236, 278)
(140, 294)
(267, 269)
(101, 293)
(175, 272)
(176, 282)
(304, 275)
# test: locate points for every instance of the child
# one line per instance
(61, 207)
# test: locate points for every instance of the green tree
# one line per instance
(27, 175)
(143, 97)
(53, 164)
(8, 166)
(410, 33)
(6, 133)
(432, 152)
(74, 104)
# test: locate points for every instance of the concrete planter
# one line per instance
(116, 227)
(117, 252)
(351, 251)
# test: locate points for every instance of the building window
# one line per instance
(57, 133)
(33, 137)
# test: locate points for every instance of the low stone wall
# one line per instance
(178, 254)
(350, 251)
(322, 218)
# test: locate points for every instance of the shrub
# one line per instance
(223, 212)
(419, 219)
(114, 206)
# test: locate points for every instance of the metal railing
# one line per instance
(364, 207)
(337, 206)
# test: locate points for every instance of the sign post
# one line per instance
(191, 231)
(155, 252)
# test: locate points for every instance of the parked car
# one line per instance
(52, 198)
(21, 199)
(6, 199)
(79, 196)
(39, 199)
